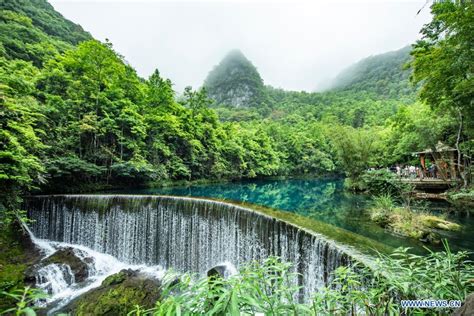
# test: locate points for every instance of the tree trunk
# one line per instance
(458, 140)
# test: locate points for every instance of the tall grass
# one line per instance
(416, 223)
(267, 288)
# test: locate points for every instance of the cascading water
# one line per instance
(58, 281)
(186, 234)
(54, 278)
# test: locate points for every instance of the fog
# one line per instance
(296, 45)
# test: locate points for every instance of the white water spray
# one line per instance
(59, 282)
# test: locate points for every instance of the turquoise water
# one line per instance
(323, 200)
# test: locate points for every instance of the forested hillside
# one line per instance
(75, 116)
(78, 116)
(385, 75)
(368, 92)
(236, 82)
(33, 31)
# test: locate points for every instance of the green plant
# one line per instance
(384, 201)
(380, 182)
(383, 206)
(25, 299)
(269, 288)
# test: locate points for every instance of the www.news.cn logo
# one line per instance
(430, 303)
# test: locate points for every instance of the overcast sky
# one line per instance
(295, 45)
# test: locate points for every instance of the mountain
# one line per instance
(48, 20)
(382, 74)
(32, 30)
(235, 81)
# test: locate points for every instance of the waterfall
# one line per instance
(186, 234)
(54, 278)
(58, 280)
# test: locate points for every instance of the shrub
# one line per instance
(269, 288)
(381, 182)
(383, 205)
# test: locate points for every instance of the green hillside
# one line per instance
(76, 116)
(33, 31)
(49, 21)
(384, 75)
(235, 81)
(368, 92)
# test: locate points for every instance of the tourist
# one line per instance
(412, 171)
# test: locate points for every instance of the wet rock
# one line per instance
(68, 256)
(467, 308)
(29, 275)
(216, 272)
(32, 253)
(117, 295)
(430, 237)
(220, 271)
(62, 257)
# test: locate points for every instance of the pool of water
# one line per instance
(323, 200)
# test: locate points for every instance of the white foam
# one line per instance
(58, 280)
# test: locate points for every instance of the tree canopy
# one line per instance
(75, 115)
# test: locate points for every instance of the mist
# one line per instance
(298, 45)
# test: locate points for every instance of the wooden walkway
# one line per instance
(430, 183)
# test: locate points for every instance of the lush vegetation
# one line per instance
(271, 288)
(443, 61)
(75, 116)
(381, 74)
(407, 220)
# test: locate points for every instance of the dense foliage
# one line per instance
(74, 116)
(46, 19)
(270, 288)
(79, 116)
(444, 62)
(385, 75)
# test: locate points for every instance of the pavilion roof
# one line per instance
(440, 147)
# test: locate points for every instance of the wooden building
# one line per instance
(444, 158)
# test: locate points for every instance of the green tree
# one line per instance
(444, 63)
(356, 150)
(20, 144)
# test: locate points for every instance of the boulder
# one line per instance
(221, 271)
(117, 295)
(68, 256)
(64, 256)
(467, 309)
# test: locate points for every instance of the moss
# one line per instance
(118, 295)
(437, 222)
(116, 278)
(15, 256)
(405, 222)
